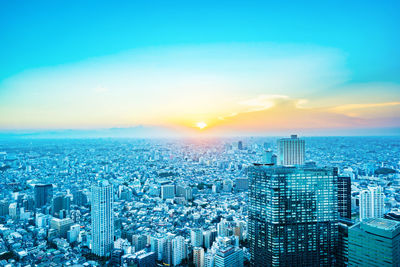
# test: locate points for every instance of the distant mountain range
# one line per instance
(128, 132)
(141, 131)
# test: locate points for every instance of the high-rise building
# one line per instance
(167, 191)
(372, 203)
(374, 242)
(344, 197)
(240, 145)
(209, 259)
(79, 198)
(196, 237)
(139, 242)
(102, 218)
(342, 251)
(4, 207)
(228, 257)
(178, 250)
(293, 216)
(198, 256)
(43, 194)
(222, 227)
(184, 191)
(291, 151)
(61, 202)
(167, 253)
(207, 242)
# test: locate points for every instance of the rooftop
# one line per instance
(380, 223)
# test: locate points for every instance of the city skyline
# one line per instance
(210, 69)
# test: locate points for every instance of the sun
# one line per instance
(201, 125)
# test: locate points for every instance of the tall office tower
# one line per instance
(342, 251)
(167, 191)
(4, 207)
(344, 197)
(139, 242)
(196, 237)
(184, 191)
(167, 253)
(178, 250)
(207, 239)
(28, 203)
(79, 198)
(293, 216)
(371, 202)
(209, 260)
(240, 145)
(102, 218)
(198, 256)
(60, 202)
(365, 205)
(228, 257)
(291, 151)
(222, 227)
(43, 194)
(374, 242)
(160, 247)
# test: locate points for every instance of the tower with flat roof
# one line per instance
(374, 242)
(102, 218)
(291, 151)
(293, 216)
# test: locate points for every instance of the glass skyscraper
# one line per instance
(102, 218)
(293, 216)
(43, 194)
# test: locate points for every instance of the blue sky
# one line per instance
(347, 47)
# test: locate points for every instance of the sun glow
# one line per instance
(201, 125)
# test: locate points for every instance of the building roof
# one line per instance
(383, 224)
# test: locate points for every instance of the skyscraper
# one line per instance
(342, 251)
(344, 197)
(167, 251)
(43, 194)
(372, 203)
(178, 250)
(293, 216)
(196, 237)
(374, 242)
(60, 202)
(102, 218)
(167, 191)
(198, 257)
(291, 151)
(240, 145)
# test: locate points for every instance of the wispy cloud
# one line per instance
(231, 86)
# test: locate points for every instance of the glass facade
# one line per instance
(293, 216)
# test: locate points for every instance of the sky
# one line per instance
(232, 67)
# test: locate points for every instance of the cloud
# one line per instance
(261, 102)
(274, 113)
(228, 86)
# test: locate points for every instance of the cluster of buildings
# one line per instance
(203, 203)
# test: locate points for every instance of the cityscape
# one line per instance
(318, 201)
(199, 133)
